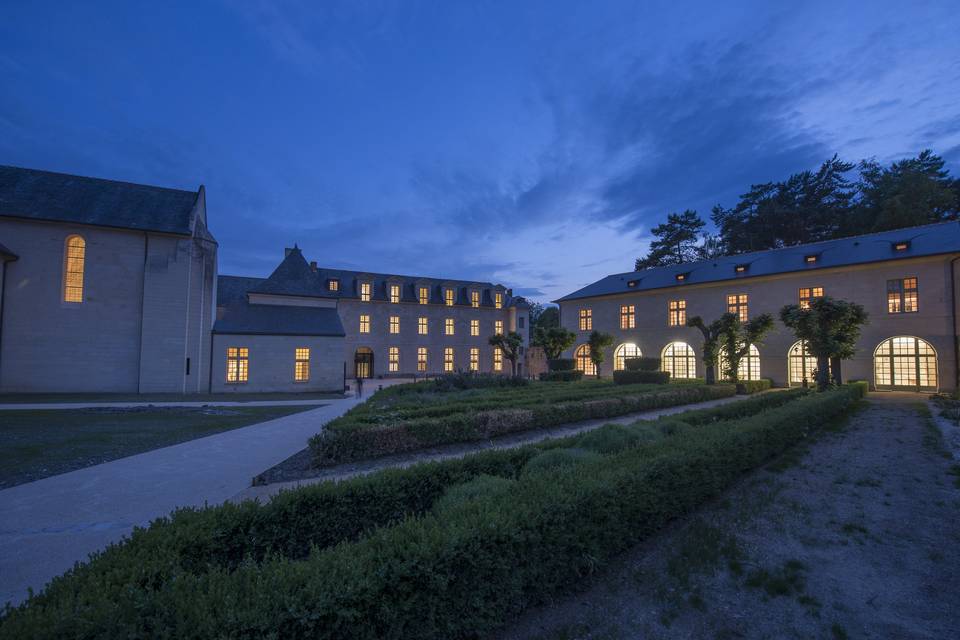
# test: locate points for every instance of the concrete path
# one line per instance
(20, 406)
(48, 525)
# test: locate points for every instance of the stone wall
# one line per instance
(271, 363)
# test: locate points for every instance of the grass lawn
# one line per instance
(27, 398)
(37, 444)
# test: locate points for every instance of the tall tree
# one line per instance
(711, 345)
(676, 241)
(553, 340)
(544, 316)
(509, 345)
(830, 329)
(599, 341)
(736, 338)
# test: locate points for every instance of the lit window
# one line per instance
(584, 363)
(497, 359)
(679, 360)
(394, 293)
(73, 266)
(238, 364)
(901, 246)
(394, 324)
(498, 327)
(448, 359)
(393, 359)
(475, 299)
(905, 362)
(333, 285)
(365, 291)
(802, 366)
(422, 326)
(811, 259)
(301, 367)
(682, 277)
(677, 313)
(448, 326)
(498, 300)
(586, 320)
(474, 327)
(421, 358)
(902, 296)
(809, 293)
(628, 318)
(749, 368)
(741, 268)
(448, 297)
(424, 295)
(623, 352)
(737, 305)
(474, 359)
(364, 323)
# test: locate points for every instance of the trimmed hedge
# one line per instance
(746, 387)
(562, 364)
(641, 376)
(641, 363)
(458, 572)
(474, 380)
(345, 440)
(561, 376)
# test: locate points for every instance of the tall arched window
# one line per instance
(679, 359)
(624, 351)
(905, 362)
(802, 364)
(584, 363)
(75, 251)
(749, 368)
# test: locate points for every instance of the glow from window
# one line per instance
(586, 319)
(73, 268)
(448, 359)
(737, 305)
(905, 362)
(424, 296)
(364, 323)
(749, 368)
(809, 293)
(301, 367)
(498, 327)
(497, 359)
(475, 299)
(624, 351)
(474, 359)
(394, 324)
(238, 364)
(421, 358)
(333, 285)
(394, 293)
(902, 296)
(677, 313)
(422, 326)
(628, 316)
(365, 288)
(679, 360)
(584, 363)
(498, 300)
(448, 297)
(393, 359)
(448, 326)
(474, 327)
(802, 365)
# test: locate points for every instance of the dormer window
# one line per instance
(448, 297)
(682, 277)
(632, 284)
(394, 293)
(424, 296)
(475, 299)
(498, 300)
(333, 285)
(365, 290)
(741, 268)
(901, 246)
(811, 259)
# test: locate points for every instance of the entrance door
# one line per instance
(905, 363)
(363, 363)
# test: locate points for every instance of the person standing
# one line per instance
(359, 387)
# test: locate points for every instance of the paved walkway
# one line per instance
(48, 525)
(31, 406)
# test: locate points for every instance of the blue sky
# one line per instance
(528, 143)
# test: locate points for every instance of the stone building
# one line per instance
(906, 279)
(105, 286)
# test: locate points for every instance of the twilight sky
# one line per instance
(528, 143)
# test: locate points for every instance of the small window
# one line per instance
(586, 320)
(394, 293)
(901, 246)
(74, 263)
(809, 293)
(741, 268)
(422, 326)
(521, 321)
(333, 285)
(448, 297)
(365, 288)
(811, 259)
(628, 317)
(448, 359)
(498, 327)
(902, 296)
(475, 299)
(474, 359)
(394, 324)
(633, 283)
(301, 367)
(424, 295)
(474, 327)
(682, 277)
(448, 326)
(497, 359)
(737, 305)
(393, 359)
(498, 300)
(421, 359)
(238, 364)
(364, 323)
(677, 313)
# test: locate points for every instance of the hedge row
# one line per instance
(641, 376)
(563, 375)
(641, 363)
(562, 364)
(459, 571)
(746, 387)
(344, 442)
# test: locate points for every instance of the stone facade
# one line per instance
(271, 362)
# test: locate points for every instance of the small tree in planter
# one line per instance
(711, 345)
(830, 329)
(736, 338)
(598, 342)
(553, 340)
(509, 345)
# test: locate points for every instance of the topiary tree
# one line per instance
(553, 340)
(711, 345)
(735, 338)
(598, 342)
(509, 345)
(830, 329)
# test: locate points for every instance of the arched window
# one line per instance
(905, 362)
(584, 363)
(679, 359)
(749, 368)
(802, 365)
(74, 254)
(627, 350)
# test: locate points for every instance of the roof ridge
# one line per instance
(110, 180)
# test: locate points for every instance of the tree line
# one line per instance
(837, 200)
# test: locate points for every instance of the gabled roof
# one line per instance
(231, 289)
(61, 197)
(242, 318)
(293, 277)
(926, 240)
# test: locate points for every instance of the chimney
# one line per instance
(313, 266)
(286, 251)
(509, 293)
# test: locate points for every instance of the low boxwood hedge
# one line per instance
(458, 572)
(562, 364)
(562, 376)
(641, 376)
(746, 387)
(641, 363)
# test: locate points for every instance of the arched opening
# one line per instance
(363, 363)
(905, 362)
(802, 366)
(624, 351)
(74, 259)
(749, 368)
(679, 359)
(584, 363)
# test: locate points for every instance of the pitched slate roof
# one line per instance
(231, 289)
(44, 195)
(267, 319)
(293, 277)
(926, 240)
(6, 254)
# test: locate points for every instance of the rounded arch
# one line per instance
(584, 363)
(749, 368)
(74, 265)
(905, 362)
(801, 366)
(679, 359)
(624, 351)
(363, 362)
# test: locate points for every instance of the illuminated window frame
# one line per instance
(449, 328)
(474, 327)
(393, 359)
(448, 297)
(394, 324)
(677, 313)
(737, 304)
(475, 299)
(498, 327)
(903, 295)
(806, 294)
(364, 323)
(586, 319)
(301, 364)
(584, 363)
(74, 266)
(365, 291)
(498, 300)
(394, 293)
(497, 359)
(424, 295)
(679, 360)
(422, 358)
(448, 361)
(423, 326)
(628, 316)
(474, 359)
(238, 365)
(333, 285)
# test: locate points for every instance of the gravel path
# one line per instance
(854, 536)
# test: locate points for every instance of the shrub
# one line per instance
(609, 438)
(562, 364)
(641, 377)
(641, 363)
(561, 376)
(473, 380)
(557, 458)
(482, 486)
(746, 387)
